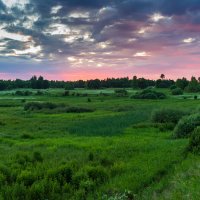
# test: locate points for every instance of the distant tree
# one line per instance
(3, 85)
(182, 83)
(39, 83)
(162, 76)
(33, 82)
(161, 83)
(135, 82)
(69, 86)
(193, 86)
(93, 84)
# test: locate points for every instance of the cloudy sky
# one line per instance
(84, 39)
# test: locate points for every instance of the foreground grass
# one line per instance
(104, 152)
(181, 183)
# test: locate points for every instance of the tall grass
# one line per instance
(107, 126)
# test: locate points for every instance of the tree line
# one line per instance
(192, 85)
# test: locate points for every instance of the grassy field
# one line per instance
(110, 151)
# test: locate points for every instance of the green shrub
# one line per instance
(89, 100)
(45, 189)
(91, 156)
(106, 162)
(167, 115)
(6, 172)
(78, 178)
(38, 106)
(23, 93)
(121, 92)
(19, 191)
(97, 174)
(78, 110)
(177, 91)
(173, 87)
(195, 97)
(2, 180)
(22, 158)
(62, 174)
(166, 127)
(186, 126)
(87, 186)
(39, 93)
(149, 94)
(66, 93)
(27, 178)
(194, 143)
(37, 157)
(26, 136)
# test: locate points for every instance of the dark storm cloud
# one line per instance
(2, 6)
(173, 7)
(98, 26)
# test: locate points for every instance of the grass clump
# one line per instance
(55, 108)
(149, 94)
(26, 136)
(194, 143)
(39, 106)
(121, 92)
(167, 115)
(186, 126)
(78, 110)
(23, 93)
(177, 91)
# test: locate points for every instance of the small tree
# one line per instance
(162, 76)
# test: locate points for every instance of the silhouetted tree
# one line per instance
(162, 76)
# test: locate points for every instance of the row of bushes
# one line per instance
(37, 106)
(185, 125)
(28, 93)
(149, 94)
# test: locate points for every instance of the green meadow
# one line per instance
(93, 144)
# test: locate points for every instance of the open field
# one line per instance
(95, 145)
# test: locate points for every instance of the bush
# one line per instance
(89, 100)
(78, 178)
(194, 143)
(66, 93)
(56, 108)
(195, 97)
(97, 174)
(39, 93)
(37, 157)
(165, 115)
(149, 94)
(121, 92)
(26, 136)
(166, 126)
(177, 91)
(173, 87)
(38, 106)
(186, 126)
(45, 189)
(62, 174)
(23, 93)
(26, 177)
(78, 110)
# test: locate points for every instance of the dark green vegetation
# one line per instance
(177, 86)
(149, 94)
(98, 144)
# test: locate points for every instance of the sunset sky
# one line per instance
(87, 39)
